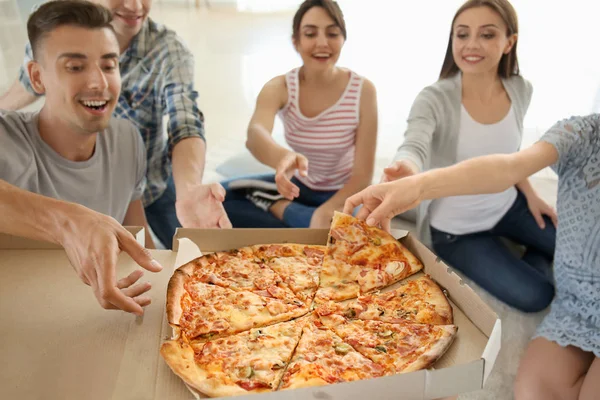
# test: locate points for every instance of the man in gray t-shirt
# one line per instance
(107, 182)
(73, 149)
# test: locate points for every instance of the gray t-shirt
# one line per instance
(107, 182)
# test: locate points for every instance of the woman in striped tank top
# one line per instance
(330, 119)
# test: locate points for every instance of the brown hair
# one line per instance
(331, 7)
(509, 65)
(56, 13)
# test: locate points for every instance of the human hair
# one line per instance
(509, 65)
(331, 7)
(56, 13)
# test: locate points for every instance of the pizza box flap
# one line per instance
(9, 242)
(463, 368)
(58, 343)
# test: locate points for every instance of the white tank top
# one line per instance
(327, 140)
(460, 215)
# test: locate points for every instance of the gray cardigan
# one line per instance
(431, 137)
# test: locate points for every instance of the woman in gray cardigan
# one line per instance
(477, 108)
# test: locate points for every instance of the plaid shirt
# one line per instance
(157, 73)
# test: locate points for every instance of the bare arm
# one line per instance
(488, 174)
(91, 240)
(271, 99)
(136, 216)
(16, 97)
(188, 161)
(366, 141)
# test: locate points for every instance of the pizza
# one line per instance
(361, 259)
(322, 358)
(270, 317)
(420, 301)
(398, 348)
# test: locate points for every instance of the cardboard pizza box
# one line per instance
(464, 368)
(58, 343)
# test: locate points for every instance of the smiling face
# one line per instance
(129, 15)
(479, 40)
(81, 82)
(319, 41)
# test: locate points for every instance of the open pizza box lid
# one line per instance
(464, 368)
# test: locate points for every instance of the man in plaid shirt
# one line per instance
(157, 73)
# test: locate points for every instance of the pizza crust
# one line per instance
(175, 292)
(180, 358)
(435, 352)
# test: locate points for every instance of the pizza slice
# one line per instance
(398, 348)
(419, 301)
(362, 255)
(203, 311)
(323, 358)
(246, 363)
(237, 270)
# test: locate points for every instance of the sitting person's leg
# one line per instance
(162, 217)
(549, 371)
(490, 264)
(249, 207)
(518, 224)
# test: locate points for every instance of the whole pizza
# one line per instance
(283, 316)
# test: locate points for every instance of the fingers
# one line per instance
(380, 214)
(539, 218)
(224, 222)
(285, 186)
(302, 163)
(139, 254)
(130, 279)
(137, 290)
(363, 213)
(143, 301)
(386, 225)
(218, 192)
(107, 293)
(554, 218)
(353, 201)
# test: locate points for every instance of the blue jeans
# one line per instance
(162, 217)
(524, 283)
(244, 214)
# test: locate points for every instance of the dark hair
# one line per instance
(56, 13)
(331, 7)
(509, 65)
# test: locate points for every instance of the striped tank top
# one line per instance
(327, 140)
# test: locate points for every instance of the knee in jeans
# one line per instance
(532, 300)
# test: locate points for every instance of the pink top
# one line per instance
(327, 140)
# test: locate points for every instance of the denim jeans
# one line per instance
(524, 283)
(244, 214)
(162, 217)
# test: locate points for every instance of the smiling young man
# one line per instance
(157, 73)
(73, 149)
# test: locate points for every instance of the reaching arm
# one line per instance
(261, 144)
(91, 240)
(16, 97)
(488, 174)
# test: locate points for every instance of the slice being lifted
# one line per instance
(418, 301)
(323, 358)
(249, 362)
(362, 258)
